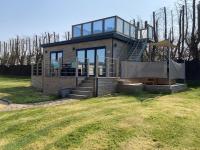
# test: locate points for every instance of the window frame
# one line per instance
(56, 52)
(102, 29)
(81, 30)
(104, 26)
(91, 29)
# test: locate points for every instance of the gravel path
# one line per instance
(4, 106)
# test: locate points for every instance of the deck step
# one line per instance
(84, 88)
(88, 93)
(86, 85)
(88, 81)
(77, 96)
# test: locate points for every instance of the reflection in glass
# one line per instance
(109, 24)
(91, 60)
(119, 25)
(87, 29)
(102, 62)
(56, 59)
(77, 31)
(98, 27)
(81, 62)
(126, 28)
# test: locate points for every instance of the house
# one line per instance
(89, 64)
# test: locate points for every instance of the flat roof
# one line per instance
(113, 35)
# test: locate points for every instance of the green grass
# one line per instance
(18, 90)
(140, 121)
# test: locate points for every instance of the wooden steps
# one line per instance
(84, 90)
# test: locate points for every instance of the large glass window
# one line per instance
(98, 27)
(101, 53)
(88, 57)
(77, 31)
(126, 28)
(91, 61)
(120, 25)
(81, 62)
(87, 29)
(109, 24)
(56, 59)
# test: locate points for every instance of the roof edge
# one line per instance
(89, 39)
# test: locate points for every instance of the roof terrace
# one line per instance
(113, 24)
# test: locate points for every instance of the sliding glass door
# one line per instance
(101, 54)
(91, 61)
(88, 57)
(81, 55)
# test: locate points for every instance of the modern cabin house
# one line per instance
(89, 64)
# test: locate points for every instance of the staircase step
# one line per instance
(76, 96)
(85, 88)
(88, 81)
(88, 93)
(86, 85)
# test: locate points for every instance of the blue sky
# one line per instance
(29, 17)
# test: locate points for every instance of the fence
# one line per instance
(153, 70)
(143, 69)
(17, 70)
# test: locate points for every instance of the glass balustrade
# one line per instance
(106, 25)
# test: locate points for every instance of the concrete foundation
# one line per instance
(36, 82)
(165, 88)
(130, 88)
(106, 86)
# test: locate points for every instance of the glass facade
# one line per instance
(56, 59)
(109, 24)
(98, 27)
(120, 25)
(89, 57)
(77, 31)
(87, 29)
(126, 28)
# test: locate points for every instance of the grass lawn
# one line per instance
(141, 121)
(18, 90)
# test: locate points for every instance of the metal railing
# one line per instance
(101, 67)
(36, 69)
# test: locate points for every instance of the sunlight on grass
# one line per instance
(19, 90)
(127, 122)
(2, 106)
